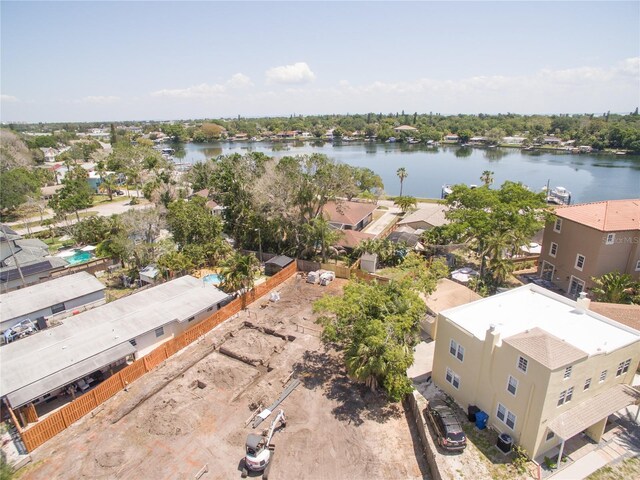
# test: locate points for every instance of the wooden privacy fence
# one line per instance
(42, 431)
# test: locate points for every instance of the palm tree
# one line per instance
(405, 203)
(487, 178)
(614, 287)
(402, 174)
(239, 272)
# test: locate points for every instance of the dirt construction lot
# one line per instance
(191, 410)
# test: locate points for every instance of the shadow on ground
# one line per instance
(356, 403)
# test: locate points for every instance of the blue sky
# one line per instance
(100, 61)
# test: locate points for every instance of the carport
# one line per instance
(591, 415)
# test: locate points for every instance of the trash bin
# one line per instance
(505, 442)
(481, 419)
(471, 413)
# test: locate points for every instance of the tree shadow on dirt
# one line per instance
(356, 403)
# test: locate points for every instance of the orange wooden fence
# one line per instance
(42, 431)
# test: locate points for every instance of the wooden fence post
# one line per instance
(146, 364)
(65, 422)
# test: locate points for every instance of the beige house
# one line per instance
(588, 240)
(543, 367)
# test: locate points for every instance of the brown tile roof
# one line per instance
(351, 238)
(449, 294)
(609, 216)
(545, 348)
(585, 414)
(204, 193)
(347, 213)
(628, 315)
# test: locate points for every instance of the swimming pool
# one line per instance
(212, 279)
(79, 257)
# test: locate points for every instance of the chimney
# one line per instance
(492, 337)
(582, 303)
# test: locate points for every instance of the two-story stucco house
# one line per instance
(588, 240)
(542, 366)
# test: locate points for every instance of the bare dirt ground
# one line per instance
(191, 410)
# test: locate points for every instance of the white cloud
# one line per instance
(239, 80)
(8, 98)
(204, 90)
(296, 73)
(99, 99)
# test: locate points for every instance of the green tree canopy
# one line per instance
(16, 186)
(75, 194)
(377, 327)
(191, 222)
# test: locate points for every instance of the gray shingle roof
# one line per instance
(545, 349)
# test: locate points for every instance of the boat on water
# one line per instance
(448, 189)
(168, 151)
(558, 195)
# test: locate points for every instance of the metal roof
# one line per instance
(280, 260)
(70, 374)
(100, 329)
(37, 297)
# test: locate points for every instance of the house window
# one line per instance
(511, 420)
(553, 249)
(558, 225)
(575, 286)
(567, 372)
(507, 417)
(623, 367)
(456, 350)
(550, 435)
(547, 270)
(638, 266)
(133, 342)
(523, 363)
(587, 384)
(563, 394)
(452, 378)
(159, 332)
(57, 308)
(611, 239)
(190, 319)
(603, 376)
(569, 395)
(512, 385)
(579, 262)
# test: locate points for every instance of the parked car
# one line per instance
(446, 425)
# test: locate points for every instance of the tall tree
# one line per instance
(239, 272)
(16, 186)
(402, 174)
(377, 327)
(487, 178)
(75, 194)
(511, 214)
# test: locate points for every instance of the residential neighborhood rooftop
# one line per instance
(449, 294)
(347, 213)
(609, 216)
(431, 213)
(525, 308)
(37, 297)
(98, 331)
(628, 315)
(545, 348)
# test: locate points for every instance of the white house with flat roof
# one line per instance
(54, 297)
(535, 362)
(43, 365)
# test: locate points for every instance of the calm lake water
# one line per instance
(588, 177)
